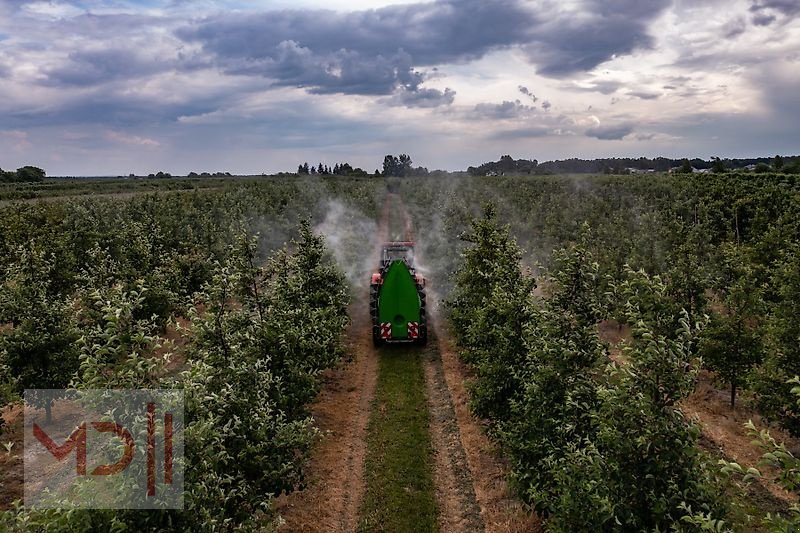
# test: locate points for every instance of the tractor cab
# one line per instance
(392, 251)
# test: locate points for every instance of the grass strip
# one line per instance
(399, 466)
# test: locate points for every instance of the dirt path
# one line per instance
(335, 489)
(501, 511)
(471, 491)
(455, 491)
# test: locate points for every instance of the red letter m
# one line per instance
(78, 438)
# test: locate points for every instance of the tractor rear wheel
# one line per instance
(373, 312)
(422, 340)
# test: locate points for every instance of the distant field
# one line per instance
(52, 187)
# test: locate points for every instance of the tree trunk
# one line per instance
(733, 394)
(48, 412)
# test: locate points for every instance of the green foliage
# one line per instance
(102, 277)
(779, 458)
(397, 166)
(591, 446)
(653, 465)
(488, 309)
(24, 174)
(254, 368)
(116, 346)
(731, 345)
(782, 360)
(718, 165)
(39, 351)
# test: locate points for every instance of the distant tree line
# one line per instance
(23, 174)
(623, 165)
(208, 175)
(339, 169)
(506, 165)
(401, 166)
(159, 174)
(395, 166)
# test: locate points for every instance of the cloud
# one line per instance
(385, 49)
(18, 139)
(524, 133)
(597, 31)
(600, 86)
(52, 10)
(96, 66)
(237, 83)
(374, 52)
(113, 108)
(524, 90)
(644, 95)
(609, 133)
(423, 98)
(131, 139)
(734, 28)
(504, 110)
(786, 7)
(765, 12)
(763, 19)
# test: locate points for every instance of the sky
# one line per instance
(111, 87)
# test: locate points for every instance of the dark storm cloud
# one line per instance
(363, 52)
(341, 71)
(787, 7)
(765, 12)
(432, 33)
(610, 133)
(763, 19)
(605, 28)
(527, 92)
(324, 51)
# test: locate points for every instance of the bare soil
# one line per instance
(173, 343)
(723, 427)
(455, 491)
(500, 509)
(11, 474)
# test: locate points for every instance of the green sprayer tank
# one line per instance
(397, 298)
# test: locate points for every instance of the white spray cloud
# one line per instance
(353, 240)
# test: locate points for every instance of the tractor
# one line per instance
(397, 298)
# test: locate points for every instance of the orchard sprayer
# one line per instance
(397, 297)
